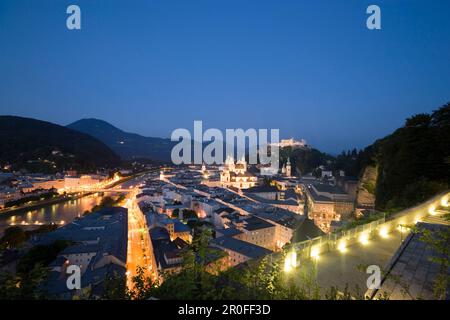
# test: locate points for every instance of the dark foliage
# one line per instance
(15, 235)
(41, 254)
(305, 160)
(107, 202)
(413, 162)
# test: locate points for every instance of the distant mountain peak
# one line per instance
(93, 122)
(127, 145)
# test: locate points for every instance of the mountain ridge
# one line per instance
(29, 142)
(126, 144)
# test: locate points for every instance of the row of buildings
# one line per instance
(330, 201)
(247, 223)
(97, 244)
(17, 186)
(249, 218)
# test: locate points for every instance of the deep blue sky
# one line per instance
(310, 68)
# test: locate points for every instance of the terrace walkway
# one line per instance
(340, 260)
(341, 268)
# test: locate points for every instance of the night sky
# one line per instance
(310, 68)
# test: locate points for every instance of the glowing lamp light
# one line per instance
(444, 201)
(383, 232)
(287, 264)
(364, 239)
(315, 254)
(432, 210)
(342, 247)
(293, 255)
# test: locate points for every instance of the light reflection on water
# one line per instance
(60, 213)
(57, 213)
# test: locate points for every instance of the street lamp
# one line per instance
(315, 254)
(444, 201)
(432, 210)
(364, 239)
(287, 264)
(342, 247)
(384, 232)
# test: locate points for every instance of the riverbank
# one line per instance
(63, 198)
(41, 204)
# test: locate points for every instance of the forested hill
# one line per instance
(413, 162)
(46, 147)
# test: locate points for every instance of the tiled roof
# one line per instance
(263, 188)
(245, 248)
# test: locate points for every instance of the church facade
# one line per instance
(236, 175)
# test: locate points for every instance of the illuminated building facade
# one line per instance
(327, 204)
(236, 175)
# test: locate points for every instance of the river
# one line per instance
(59, 213)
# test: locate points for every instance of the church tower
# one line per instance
(243, 165)
(288, 168)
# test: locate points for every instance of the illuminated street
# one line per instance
(139, 245)
(139, 251)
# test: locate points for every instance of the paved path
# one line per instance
(340, 268)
